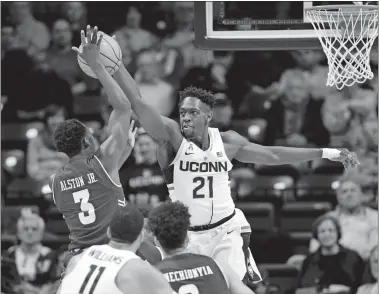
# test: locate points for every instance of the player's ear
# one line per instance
(209, 115)
(109, 235)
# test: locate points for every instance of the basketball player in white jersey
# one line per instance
(115, 268)
(196, 161)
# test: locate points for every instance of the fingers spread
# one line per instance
(83, 37)
(94, 36)
(99, 41)
(88, 33)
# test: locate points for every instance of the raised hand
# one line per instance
(90, 46)
(347, 158)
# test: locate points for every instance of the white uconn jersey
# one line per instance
(200, 179)
(96, 271)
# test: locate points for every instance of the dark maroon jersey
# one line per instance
(88, 198)
(193, 273)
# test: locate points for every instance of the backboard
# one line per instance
(257, 25)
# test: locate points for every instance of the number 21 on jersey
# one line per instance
(203, 187)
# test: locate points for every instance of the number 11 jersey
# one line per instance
(96, 271)
(88, 198)
(200, 179)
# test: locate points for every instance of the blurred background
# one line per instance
(272, 98)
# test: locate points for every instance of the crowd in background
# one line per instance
(273, 98)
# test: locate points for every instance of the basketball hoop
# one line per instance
(347, 34)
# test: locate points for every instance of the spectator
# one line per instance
(41, 87)
(332, 268)
(131, 37)
(63, 59)
(30, 34)
(359, 224)
(42, 158)
(257, 88)
(294, 119)
(144, 183)
(30, 267)
(345, 111)
(222, 112)
(220, 70)
(154, 89)
(76, 13)
(184, 37)
(172, 62)
(371, 288)
(309, 63)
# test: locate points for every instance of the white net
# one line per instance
(347, 35)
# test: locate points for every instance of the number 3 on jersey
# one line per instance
(87, 216)
(200, 183)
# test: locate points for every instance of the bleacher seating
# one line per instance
(281, 275)
(253, 129)
(278, 170)
(22, 188)
(317, 188)
(300, 242)
(15, 136)
(55, 223)
(14, 162)
(272, 185)
(327, 167)
(299, 216)
(261, 216)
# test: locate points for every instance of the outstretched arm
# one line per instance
(276, 155)
(116, 147)
(160, 128)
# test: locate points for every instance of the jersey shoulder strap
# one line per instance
(217, 143)
(185, 146)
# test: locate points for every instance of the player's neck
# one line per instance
(175, 252)
(122, 246)
(203, 141)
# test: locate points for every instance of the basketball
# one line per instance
(111, 56)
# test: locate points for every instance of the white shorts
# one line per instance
(224, 244)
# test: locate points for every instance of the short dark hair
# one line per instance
(323, 218)
(169, 223)
(126, 224)
(69, 136)
(204, 96)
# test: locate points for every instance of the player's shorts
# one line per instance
(224, 243)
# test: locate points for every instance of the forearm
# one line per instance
(289, 155)
(116, 96)
(127, 84)
(149, 118)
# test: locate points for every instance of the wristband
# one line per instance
(330, 153)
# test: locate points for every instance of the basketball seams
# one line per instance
(110, 68)
(114, 52)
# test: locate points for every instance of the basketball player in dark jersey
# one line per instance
(187, 272)
(87, 191)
